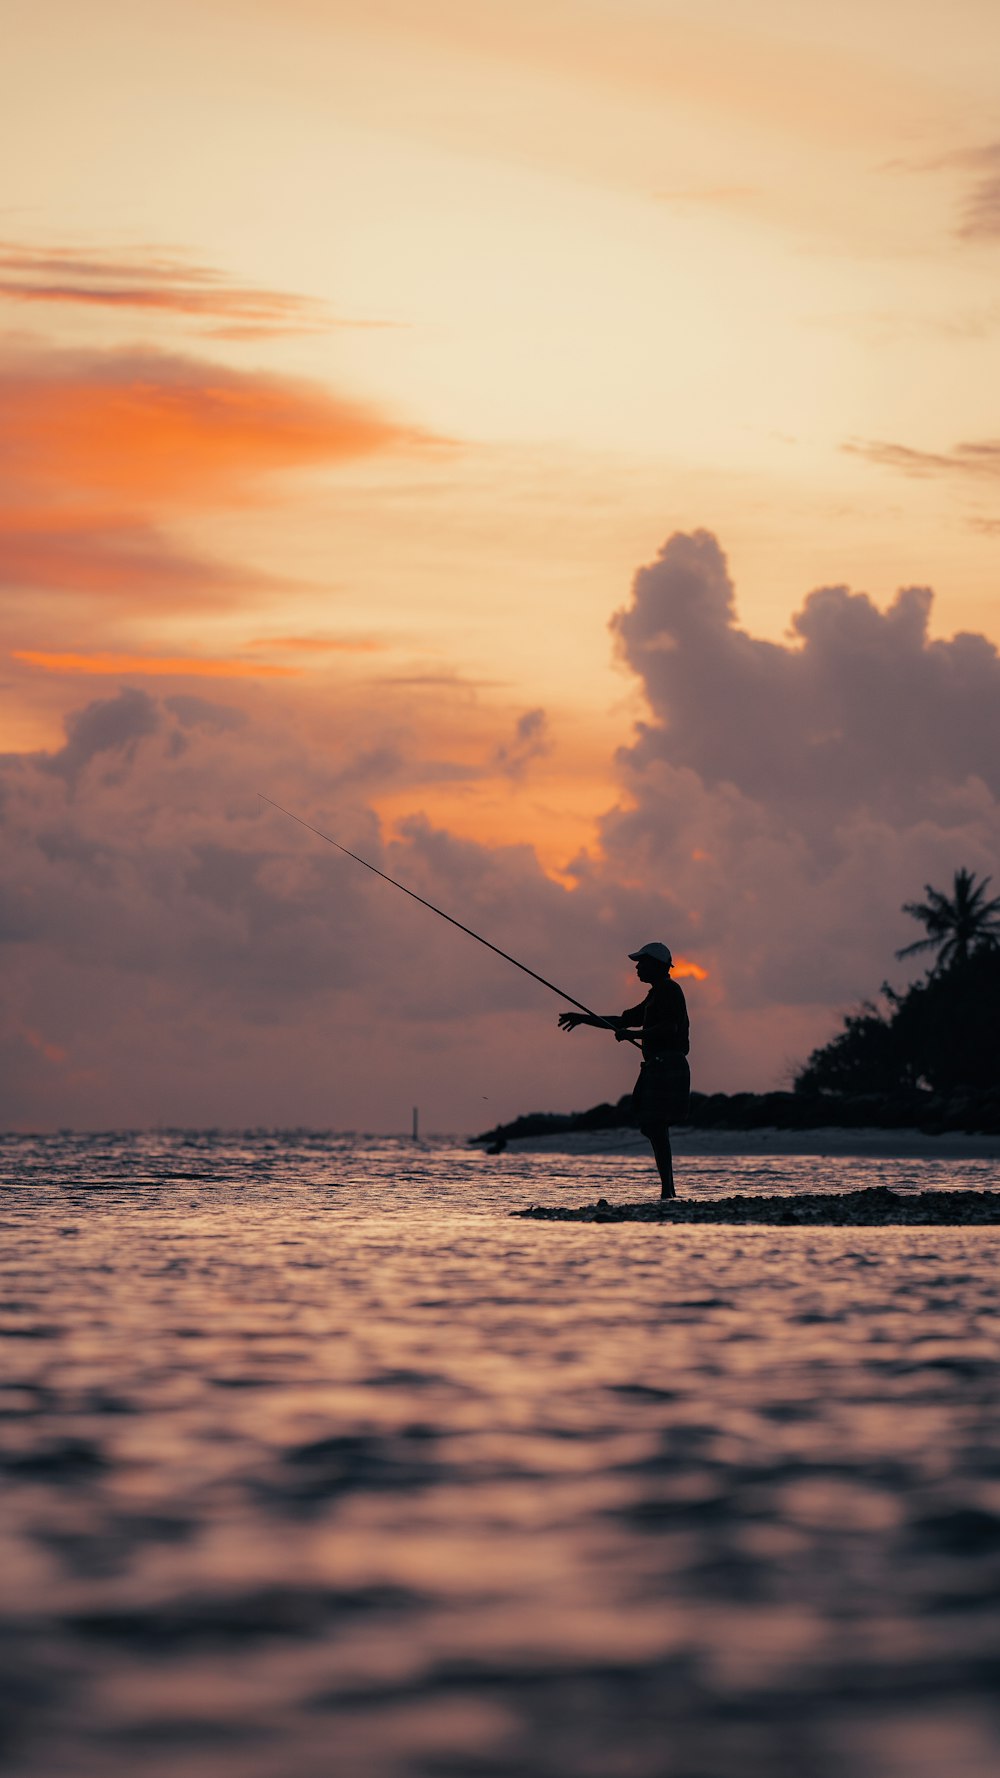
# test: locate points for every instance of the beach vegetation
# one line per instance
(941, 1035)
(957, 926)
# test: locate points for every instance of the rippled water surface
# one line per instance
(318, 1465)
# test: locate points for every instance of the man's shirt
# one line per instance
(663, 1016)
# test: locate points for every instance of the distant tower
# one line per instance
(416, 1125)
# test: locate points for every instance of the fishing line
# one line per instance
(318, 831)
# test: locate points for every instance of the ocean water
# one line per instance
(317, 1464)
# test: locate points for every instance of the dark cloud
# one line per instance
(786, 795)
(531, 741)
(173, 955)
(194, 712)
(108, 725)
(862, 710)
(399, 764)
(196, 959)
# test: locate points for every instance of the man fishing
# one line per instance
(662, 1092)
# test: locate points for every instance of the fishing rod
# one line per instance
(611, 1025)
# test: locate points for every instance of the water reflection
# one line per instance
(315, 1461)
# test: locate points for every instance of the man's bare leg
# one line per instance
(660, 1142)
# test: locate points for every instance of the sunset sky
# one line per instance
(501, 433)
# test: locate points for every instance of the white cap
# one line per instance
(661, 953)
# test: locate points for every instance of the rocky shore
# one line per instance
(875, 1207)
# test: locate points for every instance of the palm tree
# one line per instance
(957, 926)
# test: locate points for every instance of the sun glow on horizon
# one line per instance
(683, 966)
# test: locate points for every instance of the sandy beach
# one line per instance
(873, 1144)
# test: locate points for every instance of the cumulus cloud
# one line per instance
(861, 711)
(173, 955)
(109, 725)
(194, 958)
(790, 794)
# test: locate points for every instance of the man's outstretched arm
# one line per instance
(621, 1023)
(568, 1021)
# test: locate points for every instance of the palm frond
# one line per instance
(919, 944)
(957, 924)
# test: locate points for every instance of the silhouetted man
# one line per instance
(661, 1094)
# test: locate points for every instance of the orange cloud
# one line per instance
(111, 556)
(100, 447)
(150, 666)
(153, 430)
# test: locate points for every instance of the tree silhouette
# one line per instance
(957, 925)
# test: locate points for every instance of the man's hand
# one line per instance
(622, 1036)
(568, 1021)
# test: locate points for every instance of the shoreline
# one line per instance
(687, 1141)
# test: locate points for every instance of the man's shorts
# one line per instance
(662, 1093)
